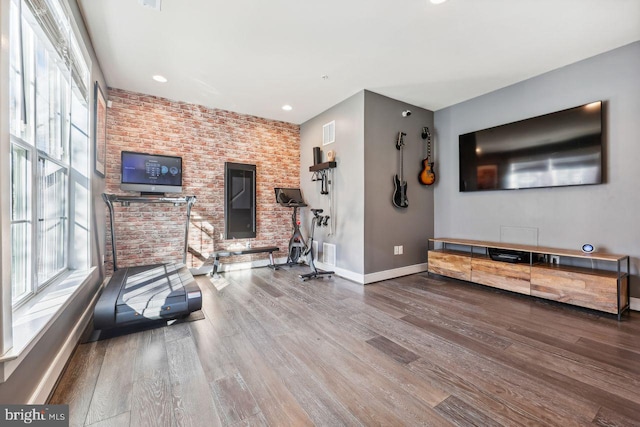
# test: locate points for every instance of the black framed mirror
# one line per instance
(239, 200)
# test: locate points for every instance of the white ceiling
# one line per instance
(253, 56)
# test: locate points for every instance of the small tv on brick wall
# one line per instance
(150, 173)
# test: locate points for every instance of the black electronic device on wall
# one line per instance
(240, 200)
(559, 149)
(150, 173)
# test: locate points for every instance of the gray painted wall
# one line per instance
(348, 180)
(386, 226)
(605, 215)
(367, 225)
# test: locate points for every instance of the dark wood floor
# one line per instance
(412, 351)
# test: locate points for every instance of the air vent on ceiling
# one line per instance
(329, 253)
(329, 133)
(153, 4)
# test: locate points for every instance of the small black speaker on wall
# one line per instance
(317, 155)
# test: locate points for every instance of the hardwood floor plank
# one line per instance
(213, 355)
(613, 355)
(255, 421)
(580, 368)
(317, 402)
(151, 396)
(420, 307)
(277, 403)
(376, 362)
(236, 401)
(191, 397)
(112, 393)
(503, 405)
(461, 413)
(608, 418)
(393, 350)
(121, 420)
(516, 383)
(335, 310)
(377, 402)
(79, 380)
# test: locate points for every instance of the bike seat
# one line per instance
(316, 211)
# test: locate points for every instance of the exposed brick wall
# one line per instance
(205, 138)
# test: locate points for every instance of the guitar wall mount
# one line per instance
(425, 132)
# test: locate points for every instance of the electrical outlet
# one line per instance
(400, 250)
(395, 250)
(555, 259)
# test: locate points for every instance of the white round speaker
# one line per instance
(587, 248)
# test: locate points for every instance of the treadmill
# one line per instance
(147, 293)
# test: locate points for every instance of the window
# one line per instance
(49, 147)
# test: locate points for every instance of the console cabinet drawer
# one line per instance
(597, 290)
(502, 275)
(449, 264)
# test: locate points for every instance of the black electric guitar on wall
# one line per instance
(400, 191)
(427, 175)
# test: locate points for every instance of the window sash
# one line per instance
(52, 227)
(21, 223)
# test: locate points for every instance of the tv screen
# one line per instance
(150, 173)
(558, 149)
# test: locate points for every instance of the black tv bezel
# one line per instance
(518, 122)
(145, 187)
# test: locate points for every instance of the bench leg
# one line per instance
(216, 265)
(272, 264)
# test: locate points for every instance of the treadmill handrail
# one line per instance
(125, 200)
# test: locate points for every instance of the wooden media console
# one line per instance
(600, 289)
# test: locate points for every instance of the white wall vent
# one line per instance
(153, 4)
(329, 253)
(329, 133)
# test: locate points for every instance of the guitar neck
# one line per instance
(402, 164)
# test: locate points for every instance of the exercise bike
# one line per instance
(292, 198)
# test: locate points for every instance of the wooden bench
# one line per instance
(215, 256)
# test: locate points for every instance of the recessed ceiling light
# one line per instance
(159, 78)
(438, 1)
(287, 107)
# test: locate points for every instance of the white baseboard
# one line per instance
(635, 304)
(365, 279)
(349, 275)
(50, 378)
(393, 273)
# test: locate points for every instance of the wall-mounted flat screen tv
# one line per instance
(150, 173)
(555, 150)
